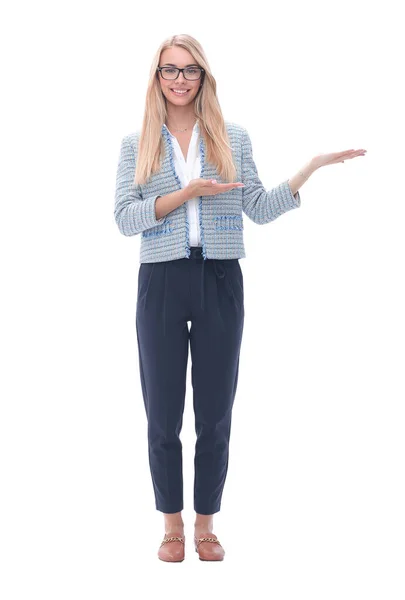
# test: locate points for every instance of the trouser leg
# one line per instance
(215, 339)
(163, 339)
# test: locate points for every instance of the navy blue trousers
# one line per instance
(209, 294)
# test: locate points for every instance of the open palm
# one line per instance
(336, 157)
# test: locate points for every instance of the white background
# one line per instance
(313, 502)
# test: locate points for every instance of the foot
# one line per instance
(172, 547)
(207, 545)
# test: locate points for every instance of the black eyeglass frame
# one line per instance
(202, 71)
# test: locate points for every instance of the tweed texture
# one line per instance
(220, 216)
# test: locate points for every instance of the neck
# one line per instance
(181, 117)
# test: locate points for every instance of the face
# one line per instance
(178, 57)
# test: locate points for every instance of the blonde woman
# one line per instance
(183, 182)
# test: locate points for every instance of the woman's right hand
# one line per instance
(209, 187)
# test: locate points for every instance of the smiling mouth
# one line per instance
(180, 92)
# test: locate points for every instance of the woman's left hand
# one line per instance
(335, 157)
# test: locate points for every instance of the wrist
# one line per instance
(185, 194)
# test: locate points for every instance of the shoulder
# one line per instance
(238, 137)
(133, 137)
(129, 142)
(235, 128)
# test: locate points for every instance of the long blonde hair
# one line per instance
(207, 109)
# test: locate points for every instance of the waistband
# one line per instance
(220, 271)
(196, 253)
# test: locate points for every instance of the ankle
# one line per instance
(174, 528)
(205, 527)
(173, 523)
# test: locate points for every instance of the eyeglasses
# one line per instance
(190, 73)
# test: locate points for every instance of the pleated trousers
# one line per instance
(208, 294)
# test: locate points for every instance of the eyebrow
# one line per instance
(172, 65)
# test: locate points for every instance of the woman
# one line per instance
(182, 183)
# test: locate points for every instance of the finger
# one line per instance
(229, 186)
(354, 152)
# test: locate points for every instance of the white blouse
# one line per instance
(187, 170)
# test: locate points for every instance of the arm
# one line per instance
(133, 214)
(302, 176)
(168, 202)
(260, 205)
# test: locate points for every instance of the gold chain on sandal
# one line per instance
(172, 539)
(208, 539)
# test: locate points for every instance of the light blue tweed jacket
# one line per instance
(220, 216)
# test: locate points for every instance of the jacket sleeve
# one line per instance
(133, 214)
(259, 205)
